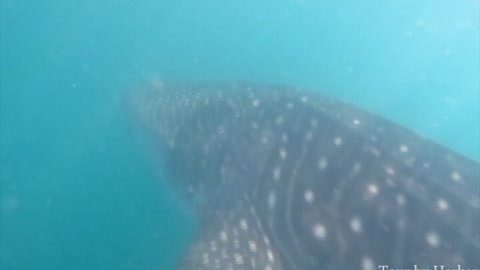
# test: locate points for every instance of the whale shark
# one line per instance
(281, 178)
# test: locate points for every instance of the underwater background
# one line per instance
(77, 192)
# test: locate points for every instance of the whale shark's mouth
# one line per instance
(289, 179)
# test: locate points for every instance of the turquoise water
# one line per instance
(77, 193)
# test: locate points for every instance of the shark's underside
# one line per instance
(287, 179)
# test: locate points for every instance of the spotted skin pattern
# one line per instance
(282, 178)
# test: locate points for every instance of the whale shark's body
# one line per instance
(284, 179)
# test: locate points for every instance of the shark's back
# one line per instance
(287, 179)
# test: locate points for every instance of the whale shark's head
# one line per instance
(287, 179)
(194, 129)
(155, 110)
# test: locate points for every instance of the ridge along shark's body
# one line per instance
(283, 179)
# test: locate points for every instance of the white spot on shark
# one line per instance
(252, 246)
(276, 173)
(270, 255)
(442, 204)
(456, 176)
(243, 224)
(223, 236)
(432, 239)
(238, 259)
(372, 190)
(368, 264)
(404, 148)
(319, 231)
(309, 196)
(338, 141)
(389, 170)
(322, 163)
(356, 225)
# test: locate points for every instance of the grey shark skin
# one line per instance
(285, 179)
